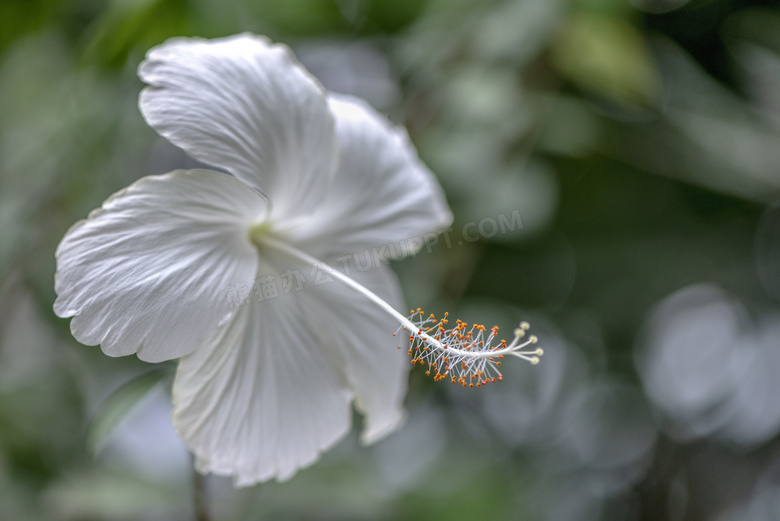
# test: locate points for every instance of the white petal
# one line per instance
(273, 389)
(247, 106)
(262, 400)
(361, 335)
(382, 193)
(147, 272)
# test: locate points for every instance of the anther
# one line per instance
(473, 355)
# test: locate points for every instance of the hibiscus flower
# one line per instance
(230, 271)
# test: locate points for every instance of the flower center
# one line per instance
(259, 231)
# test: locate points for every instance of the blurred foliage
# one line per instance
(117, 408)
(638, 140)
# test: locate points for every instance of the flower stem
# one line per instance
(199, 496)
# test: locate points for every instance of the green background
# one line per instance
(639, 142)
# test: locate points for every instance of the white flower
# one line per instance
(261, 389)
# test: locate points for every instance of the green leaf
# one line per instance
(118, 406)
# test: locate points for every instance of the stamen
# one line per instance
(469, 356)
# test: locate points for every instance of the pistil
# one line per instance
(467, 356)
